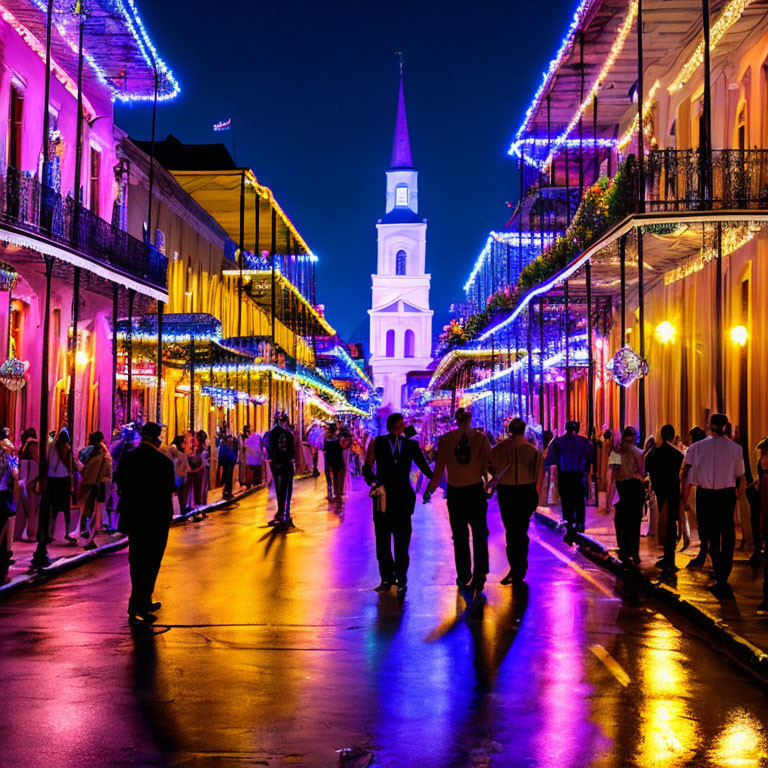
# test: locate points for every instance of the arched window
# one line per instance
(390, 343)
(400, 262)
(410, 343)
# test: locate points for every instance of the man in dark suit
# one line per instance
(281, 449)
(146, 481)
(393, 454)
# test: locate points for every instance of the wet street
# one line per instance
(272, 649)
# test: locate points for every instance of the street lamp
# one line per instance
(739, 335)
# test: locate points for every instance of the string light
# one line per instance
(130, 15)
(616, 48)
(626, 137)
(730, 15)
(569, 143)
(512, 238)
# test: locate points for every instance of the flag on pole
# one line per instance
(225, 125)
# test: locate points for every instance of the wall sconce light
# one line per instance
(739, 335)
(665, 332)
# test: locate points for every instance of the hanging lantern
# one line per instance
(12, 373)
(8, 277)
(626, 366)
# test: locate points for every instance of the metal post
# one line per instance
(719, 330)
(80, 10)
(152, 157)
(567, 187)
(242, 258)
(641, 330)
(549, 142)
(159, 364)
(129, 355)
(623, 310)
(529, 354)
(273, 248)
(115, 297)
(541, 361)
(493, 385)
(192, 384)
(594, 137)
(46, 107)
(567, 339)
(40, 558)
(591, 431)
(705, 140)
(640, 133)
(73, 356)
(581, 121)
(519, 222)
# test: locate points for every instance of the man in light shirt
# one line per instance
(465, 453)
(718, 466)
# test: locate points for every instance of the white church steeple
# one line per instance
(401, 320)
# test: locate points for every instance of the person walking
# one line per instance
(465, 452)
(628, 468)
(227, 463)
(28, 504)
(663, 465)
(517, 468)
(572, 454)
(717, 464)
(394, 499)
(57, 495)
(335, 466)
(762, 488)
(177, 451)
(8, 476)
(200, 470)
(92, 493)
(696, 435)
(281, 450)
(254, 452)
(146, 480)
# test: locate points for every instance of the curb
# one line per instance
(741, 650)
(64, 564)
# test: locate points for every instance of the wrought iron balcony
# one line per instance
(678, 180)
(36, 208)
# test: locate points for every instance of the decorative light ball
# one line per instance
(665, 332)
(81, 358)
(739, 335)
(12, 373)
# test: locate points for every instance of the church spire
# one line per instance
(401, 146)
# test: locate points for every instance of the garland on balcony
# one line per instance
(604, 204)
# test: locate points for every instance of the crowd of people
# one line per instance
(705, 477)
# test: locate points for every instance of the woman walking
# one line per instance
(178, 454)
(200, 469)
(92, 494)
(627, 465)
(28, 505)
(58, 483)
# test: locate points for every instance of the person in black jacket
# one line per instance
(393, 455)
(663, 465)
(281, 449)
(146, 481)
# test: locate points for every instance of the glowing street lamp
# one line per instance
(739, 335)
(665, 332)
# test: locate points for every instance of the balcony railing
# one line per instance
(677, 180)
(36, 208)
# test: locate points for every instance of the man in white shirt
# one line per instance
(718, 466)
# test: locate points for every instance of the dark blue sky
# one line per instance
(311, 90)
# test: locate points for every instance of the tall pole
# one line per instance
(80, 11)
(641, 330)
(529, 354)
(493, 385)
(640, 133)
(541, 361)
(40, 558)
(623, 310)
(44, 207)
(73, 355)
(129, 356)
(115, 302)
(581, 121)
(594, 137)
(242, 258)
(549, 142)
(706, 123)
(590, 356)
(719, 330)
(273, 256)
(159, 363)
(192, 384)
(567, 187)
(567, 311)
(152, 156)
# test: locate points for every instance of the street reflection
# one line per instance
(741, 743)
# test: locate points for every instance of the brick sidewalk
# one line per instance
(734, 619)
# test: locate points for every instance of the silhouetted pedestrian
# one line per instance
(629, 470)
(394, 499)
(281, 449)
(464, 452)
(517, 465)
(146, 481)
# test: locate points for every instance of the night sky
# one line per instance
(311, 89)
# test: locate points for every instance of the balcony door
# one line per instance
(15, 116)
(94, 187)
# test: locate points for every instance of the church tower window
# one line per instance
(401, 259)
(401, 196)
(410, 344)
(390, 343)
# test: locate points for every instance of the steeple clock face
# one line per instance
(401, 197)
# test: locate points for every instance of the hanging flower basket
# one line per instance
(626, 366)
(8, 277)
(12, 373)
